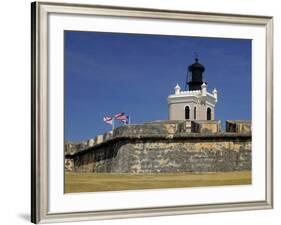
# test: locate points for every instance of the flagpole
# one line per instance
(113, 124)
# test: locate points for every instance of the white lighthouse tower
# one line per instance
(196, 103)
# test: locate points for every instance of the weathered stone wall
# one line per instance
(68, 165)
(150, 156)
(238, 126)
(164, 147)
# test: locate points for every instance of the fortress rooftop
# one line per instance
(167, 130)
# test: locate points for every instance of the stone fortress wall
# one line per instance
(165, 146)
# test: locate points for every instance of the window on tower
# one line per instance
(187, 113)
(209, 113)
(194, 113)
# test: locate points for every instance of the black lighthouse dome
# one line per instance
(195, 75)
(196, 66)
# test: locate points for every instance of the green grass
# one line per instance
(93, 182)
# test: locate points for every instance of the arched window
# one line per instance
(194, 113)
(209, 114)
(187, 113)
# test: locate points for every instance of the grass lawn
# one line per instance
(92, 182)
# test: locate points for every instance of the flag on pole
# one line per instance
(118, 115)
(108, 120)
(124, 119)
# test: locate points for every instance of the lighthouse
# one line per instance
(194, 102)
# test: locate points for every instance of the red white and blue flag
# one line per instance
(119, 115)
(108, 119)
(124, 119)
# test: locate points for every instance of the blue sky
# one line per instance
(107, 73)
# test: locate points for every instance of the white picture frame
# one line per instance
(49, 204)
